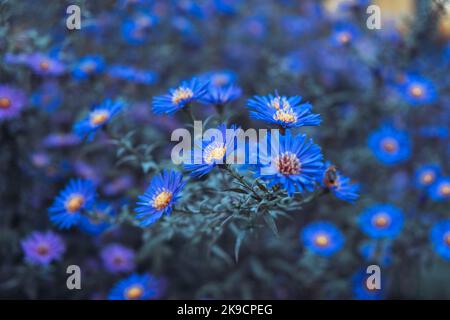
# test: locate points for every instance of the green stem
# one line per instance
(242, 181)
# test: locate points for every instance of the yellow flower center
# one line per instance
(280, 103)
(134, 292)
(181, 94)
(288, 163)
(427, 177)
(322, 240)
(88, 66)
(389, 145)
(444, 189)
(344, 37)
(381, 220)
(214, 152)
(42, 249)
(75, 203)
(99, 117)
(5, 103)
(44, 65)
(416, 90)
(447, 238)
(162, 200)
(285, 115)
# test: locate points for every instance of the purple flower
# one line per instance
(117, 258)
(43, 64)
(43, 248)
(12, 100)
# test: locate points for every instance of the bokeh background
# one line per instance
(144, 47)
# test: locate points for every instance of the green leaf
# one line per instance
(237, 245)
(270, 221)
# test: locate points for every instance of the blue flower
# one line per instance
(97, 118)
(381, 221)
(344, 34)
(296, 165)
(97, 222)
(87, 66)
(159, 197)
(340, 185)
(135, 31)
(136, 287)
(282, 111)
(48, 96)
(417, 90)
(389, 145)
(440, 238)
(426, 175)
(220, 78)
(360, 289)
(77, 196)
(179, 97)
(221, 95)
(207, 154)
(440, 190)
(322, 238)
(134, 75)
(43, 248)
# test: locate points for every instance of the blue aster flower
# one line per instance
(286, 112)
(163, 191)
(48, 96)
(139, 76)
(97, 221)
(209, 153)
(344, 34)
(219, 78)
(43, 247)
(426, 175)
(179, 97)
(360, 289)
(417, 90)
(221, 95)
(340, 185)
(381, 221)
(322, 238)
(88, 66)
(440, 238)
(389, 145)
(136, 287)
(296, 164)
(135, 31)
(77, 196)
(440, 190)
(98, 117)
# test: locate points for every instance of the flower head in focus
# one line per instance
(179, 97)
(163, 191)
(286, 112)
(209, 153)
(43, 247)
(98, 117)
(77, 196)
(296, 165)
